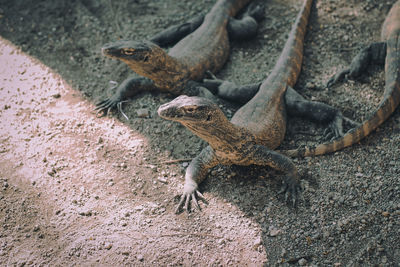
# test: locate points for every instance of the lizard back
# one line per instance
(207, 48)
(265, 114)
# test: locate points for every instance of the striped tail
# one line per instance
(389, 103)
(288, 66)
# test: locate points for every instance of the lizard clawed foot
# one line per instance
(104, 107)
(292, 190)
(185, 201)
(107, 105)
(212, 83)
(337, 77)
(335, 128)
(256, 11)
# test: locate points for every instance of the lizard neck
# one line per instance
(167, 72)
(223, 136)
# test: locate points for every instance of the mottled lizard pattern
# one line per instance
(255, 129)
(179, 71)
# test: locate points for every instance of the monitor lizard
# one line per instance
(256, 128)
(238, 29)
(178, 71)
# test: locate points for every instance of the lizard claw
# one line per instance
(292, 190)
(185, 199)
(335, 128)
(106, 105)
(350, 121)
(328, 134)
(211, 75)
(337, 77)
(119, 106)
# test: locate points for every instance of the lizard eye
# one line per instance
(190, 109)
(128, 52)
(209, 117)
(146, 58)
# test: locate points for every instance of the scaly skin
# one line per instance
(387, 51)
(255, 129)
(205, 49)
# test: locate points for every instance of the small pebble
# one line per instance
(142, 113)
(302, 262)
(257, 242)
(162, 180)
(273, 231)
(310, 85)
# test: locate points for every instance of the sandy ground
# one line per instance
(77, 190)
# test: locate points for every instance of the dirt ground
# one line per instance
(77, 190)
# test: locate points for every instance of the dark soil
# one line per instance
(80, 190)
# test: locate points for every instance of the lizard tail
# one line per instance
(387, 106)
(390, 100)
(289, 63)
(385, 109)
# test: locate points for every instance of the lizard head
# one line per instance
(146, 59)
(139, 51)
(204, 118)
(193, 110)
(137, 54)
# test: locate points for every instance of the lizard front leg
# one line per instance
(194, 88)
(126, 90)
(229, 90)
(175, 33)
(238, 29)
(195, 173)
(266, 157)
(375, 53)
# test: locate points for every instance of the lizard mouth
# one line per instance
(110, 52)
(167, 112)
(173, 109)
(186, 109)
